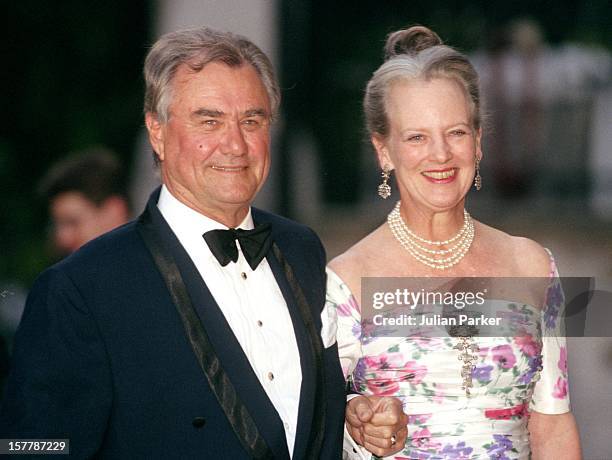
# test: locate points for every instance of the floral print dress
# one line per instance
(511, 377)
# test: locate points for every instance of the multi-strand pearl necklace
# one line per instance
(439, 259)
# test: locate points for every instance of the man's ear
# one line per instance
(156, 134)
(382, 152)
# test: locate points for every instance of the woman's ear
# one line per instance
(382, 152)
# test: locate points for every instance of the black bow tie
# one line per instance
(255, 244)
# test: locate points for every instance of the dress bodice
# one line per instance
(509, 377)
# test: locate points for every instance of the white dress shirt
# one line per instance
(252, 304)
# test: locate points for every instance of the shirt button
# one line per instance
(244, 275)
(286, 426)
(270, 376)
(259, 323)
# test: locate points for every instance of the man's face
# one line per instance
(76, 220)
(214, 149)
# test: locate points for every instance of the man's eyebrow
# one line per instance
(256, 113)
(203, 112)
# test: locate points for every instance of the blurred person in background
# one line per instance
(466, 396)
(542, 102)
(87, 197)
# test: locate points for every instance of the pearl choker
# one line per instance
(412, 242)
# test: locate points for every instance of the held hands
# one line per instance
(377, 423)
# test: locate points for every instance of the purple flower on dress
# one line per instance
(555, 293)
(364, 331)
(414, 455)
(499, 448)
(503, 356)
(482, 373)
(554, 300)
(550, 316)
(460, 451)
(356, 330)
(359, 375)
(534, 364)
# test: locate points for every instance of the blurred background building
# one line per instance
(72, 79)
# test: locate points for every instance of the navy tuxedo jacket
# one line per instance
(123, 350)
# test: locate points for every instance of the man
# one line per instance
(86, 196)
(165, 338)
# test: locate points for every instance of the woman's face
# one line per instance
(431, 145)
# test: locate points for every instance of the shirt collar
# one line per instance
(187, 222)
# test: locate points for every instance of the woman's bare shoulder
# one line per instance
(525, 257)
(360, 259)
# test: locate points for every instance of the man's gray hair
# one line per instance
(196, 48)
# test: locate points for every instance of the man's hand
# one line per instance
(377, 423)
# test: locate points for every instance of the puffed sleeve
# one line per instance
(551, 393)
(340, 299)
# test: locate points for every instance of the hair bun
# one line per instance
(410, 41)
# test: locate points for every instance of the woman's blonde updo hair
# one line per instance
(417, 53)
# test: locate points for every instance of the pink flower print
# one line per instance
(346, 309)
(560, 389)
(384, 361)
(382, 387)
(390, 369)
(413, 372)
(418, 419)
(527, 345)
(503, 356)
(562, 364)
(422, 439)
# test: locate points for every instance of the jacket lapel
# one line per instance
(226, 368)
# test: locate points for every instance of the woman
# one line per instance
(509, 398)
